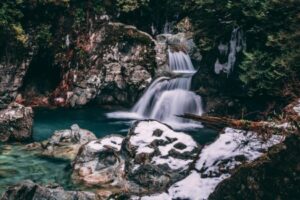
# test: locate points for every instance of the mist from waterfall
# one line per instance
(168, 97)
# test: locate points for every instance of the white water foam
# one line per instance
(168, 97)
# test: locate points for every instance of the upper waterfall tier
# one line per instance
(180, 62)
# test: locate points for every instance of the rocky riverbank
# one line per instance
(151, 162)
(16, 123)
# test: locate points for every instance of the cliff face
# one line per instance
(101, 62)
(112, 64)
(14, 62)
(273, 176)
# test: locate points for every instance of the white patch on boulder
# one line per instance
(214, 162)
(297, 108)
(107, 142)
(233, 143)
(144, 135)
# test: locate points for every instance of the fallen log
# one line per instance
(261, 127)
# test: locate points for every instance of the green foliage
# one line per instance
(10, 26)
(44, 35)
(272, 32)
(258, 76)
(131, 5)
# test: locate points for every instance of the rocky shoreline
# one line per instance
(151, 162)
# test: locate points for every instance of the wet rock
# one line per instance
(64, 144)
(178, 42)
(185, 26)
(16, 123)
(99, 163)
(28, 190)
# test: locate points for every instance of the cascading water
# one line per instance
(236, 44)
(180, 62)
(167, 97)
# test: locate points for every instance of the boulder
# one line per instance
(16, 123)
(99, 163)
(149, 159)
(64, 144)
(28, 190)
(216, 162)
(176, 42)
(158, 156)
(273, 176)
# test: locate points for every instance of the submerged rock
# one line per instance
(28, 190)
(16, 123)
(64, 144)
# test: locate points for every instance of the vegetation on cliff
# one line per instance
(267, 70)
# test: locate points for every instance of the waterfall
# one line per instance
(68, 40)
(180, 62)
(168, 27)
(167, 97)
(236, 44)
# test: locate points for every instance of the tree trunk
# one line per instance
(218, 123)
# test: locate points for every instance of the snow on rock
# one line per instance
(231, 149)
(193, 187)
(175, 149)
(113, 142)
(148, 160)
(158, 153)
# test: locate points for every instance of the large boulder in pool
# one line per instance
(16, 123)
(157, 156)
(28, 190)
(99, 163)
(64, 144)
(149, 159)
